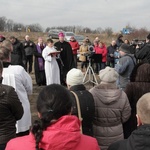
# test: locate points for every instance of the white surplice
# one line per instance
(51, 66)
(17, 77)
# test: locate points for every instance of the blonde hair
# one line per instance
(143, 108)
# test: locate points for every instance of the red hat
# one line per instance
(61, 34)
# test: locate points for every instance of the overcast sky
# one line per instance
(88, 13)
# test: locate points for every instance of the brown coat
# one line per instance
(83, 50)
(112, 108)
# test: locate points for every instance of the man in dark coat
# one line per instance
(144, 53)
(29, 48)
(110, 54)
(18, 53)
(119, 40)
(66, 61)
(75, 83)
(140, 138)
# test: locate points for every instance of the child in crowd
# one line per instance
(51, 67)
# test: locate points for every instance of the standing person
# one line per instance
(11, 110)
(112, 109)
(51, 67)
(101, 49)
(125, 66)
(29, 48)
(119, 40)
(18, 53)
(16, 76)
(139, 85)
(83, 51)
(66, 61)
(39, 63)
(139, 139)
(75, 46)
(56, 129)
(144, 53)
(75, 83)
(110, 54)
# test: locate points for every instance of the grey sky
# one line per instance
(88, 13)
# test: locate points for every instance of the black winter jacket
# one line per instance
(139, 140)
(11, 110)
(87, 108)
(144, 53)
(29, 47)
(18, 54)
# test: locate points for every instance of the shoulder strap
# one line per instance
(132, 59)
(78, 108)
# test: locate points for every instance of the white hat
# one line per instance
(74, 77)
(108, 75)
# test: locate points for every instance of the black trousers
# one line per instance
(29, 62)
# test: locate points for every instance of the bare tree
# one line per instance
(2, 23)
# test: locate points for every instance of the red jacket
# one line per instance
(75, 46)
(62, 135)
(102, 51)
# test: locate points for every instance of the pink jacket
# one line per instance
(62, 135)
(102, 51)
(75, 46)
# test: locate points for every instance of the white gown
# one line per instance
(51, 67)
(17, 77)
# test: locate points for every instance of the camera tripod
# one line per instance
(90, 73)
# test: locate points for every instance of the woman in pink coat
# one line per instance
(101, 49)
(56, 129)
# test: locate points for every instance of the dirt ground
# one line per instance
(37, 89)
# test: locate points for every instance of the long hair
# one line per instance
(53, 102)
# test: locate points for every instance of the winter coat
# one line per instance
(119, 42)
(11, 110)
(29, 47)
(112, 108)
(110, 50)
(17, 77)
(139, 140)
(102, 51)
(144, 53)
(83, 51)
(75, 46)
(62, 135)
(134, 91)
(18, 54)
(124, 69)
(87, 108)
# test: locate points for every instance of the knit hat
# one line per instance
(74, 77)
(61, 34)
(108, 75)
(148, 37)
(125, 48)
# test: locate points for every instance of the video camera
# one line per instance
(138, 42)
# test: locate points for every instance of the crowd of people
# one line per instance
(113, 115)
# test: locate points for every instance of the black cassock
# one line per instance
(66, 61)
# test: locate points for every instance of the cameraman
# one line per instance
(144, 52)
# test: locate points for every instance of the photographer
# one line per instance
(144, 52)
